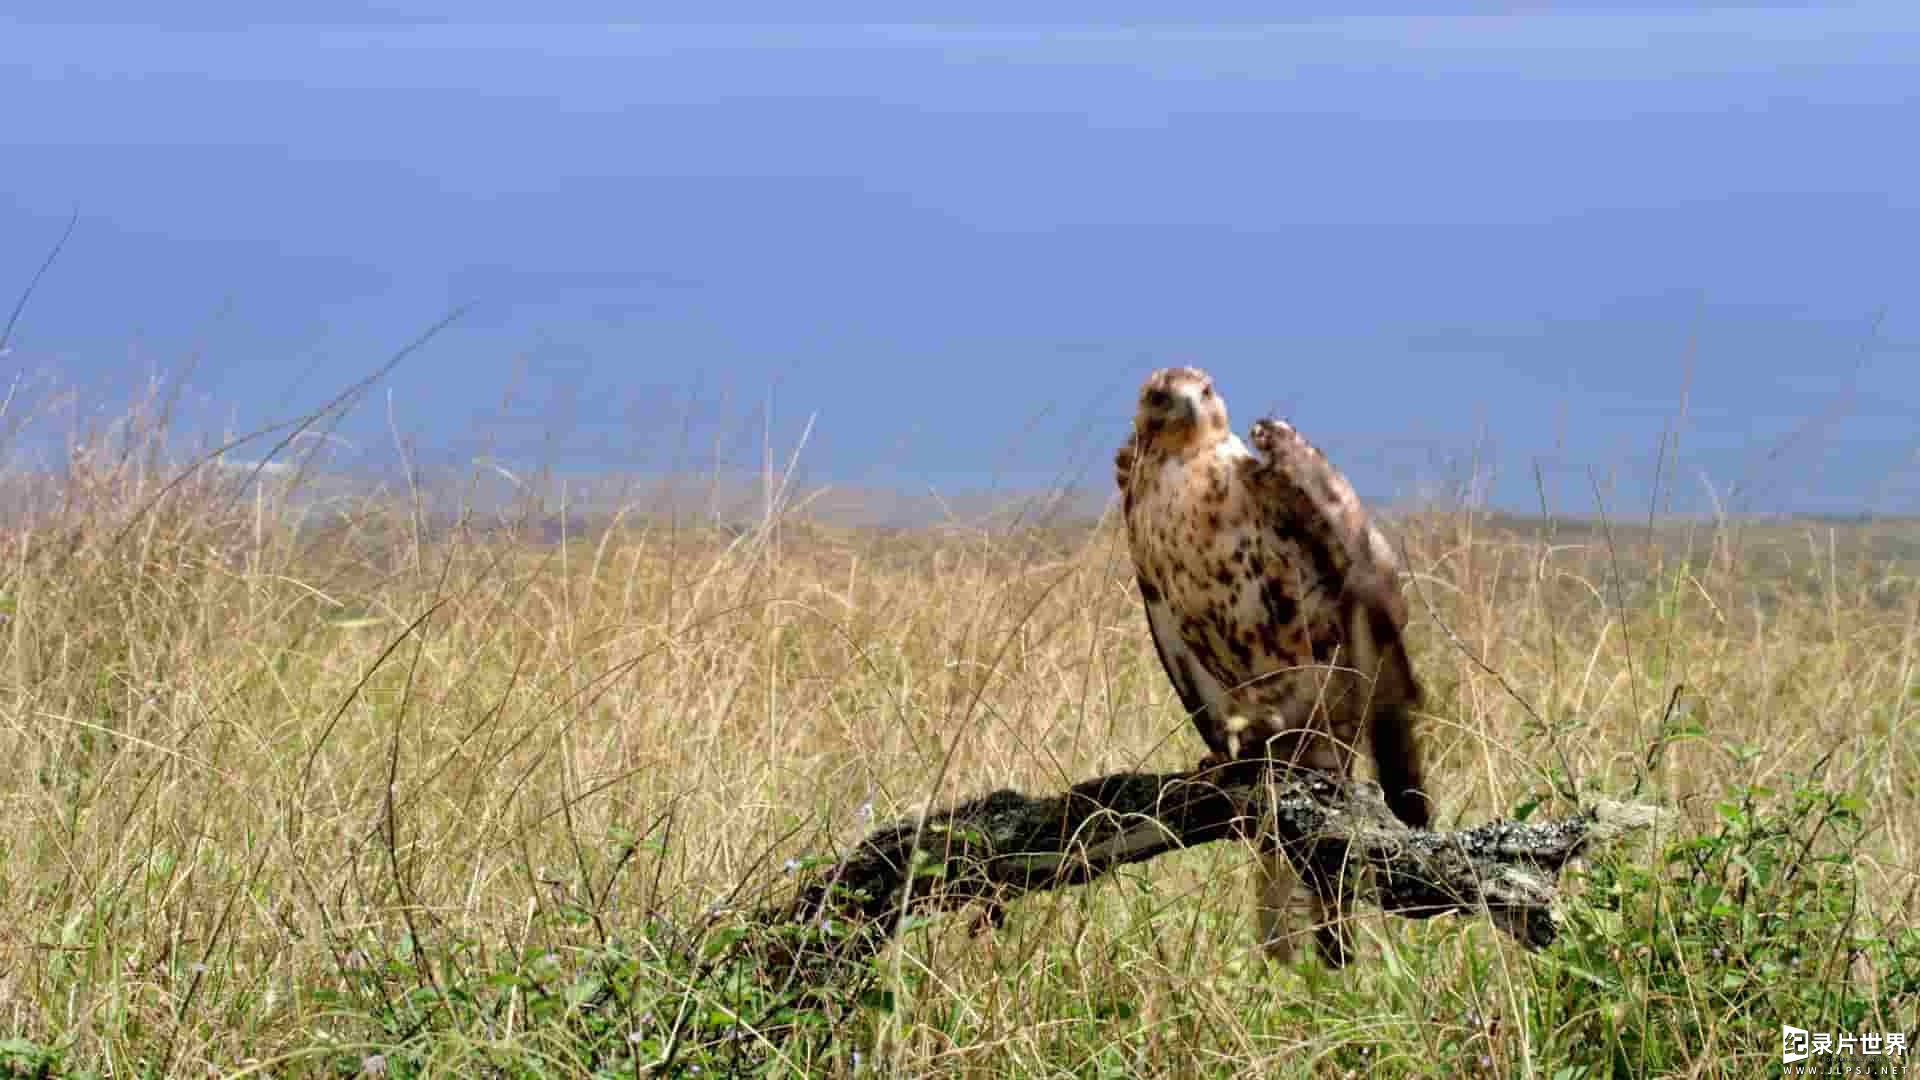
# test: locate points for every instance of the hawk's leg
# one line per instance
(1331, 893)
(1274, 921)
(1332, 912)
(1333, 889)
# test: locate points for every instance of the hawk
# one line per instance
(1276, 610)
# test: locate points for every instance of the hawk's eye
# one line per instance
(1207, 391)
(1159, 399)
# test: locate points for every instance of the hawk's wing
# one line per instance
(1306, 495)
(1195, 685)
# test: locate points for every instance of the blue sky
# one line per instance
(959, 247)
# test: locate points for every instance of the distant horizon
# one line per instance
(1432, 474)
(735, 496)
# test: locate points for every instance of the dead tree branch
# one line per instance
(993, 849)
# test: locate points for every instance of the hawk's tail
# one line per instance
(1396, 758)
(1374, 637)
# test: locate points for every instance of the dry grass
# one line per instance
(280, 773)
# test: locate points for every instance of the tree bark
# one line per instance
(998, 847)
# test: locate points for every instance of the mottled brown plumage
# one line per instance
(1274, 605)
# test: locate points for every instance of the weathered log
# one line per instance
(997, 847)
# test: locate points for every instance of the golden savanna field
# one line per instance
(300, 784)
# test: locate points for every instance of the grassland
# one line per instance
(300, 786)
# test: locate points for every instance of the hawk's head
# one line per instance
(1178, 408)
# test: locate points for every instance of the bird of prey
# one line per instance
(1276, 610)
